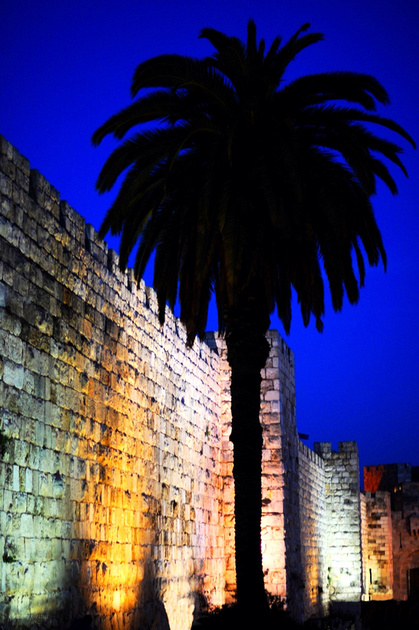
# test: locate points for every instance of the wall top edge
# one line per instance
(39, 189)
(310, 454)
(61, 220)
(379, 494)
(324, 449)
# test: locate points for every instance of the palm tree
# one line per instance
(247, 188)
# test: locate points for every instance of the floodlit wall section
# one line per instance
(343, 521)
(278, 467)
(364, 546)
(293, 491)
(117, 486)
(111, 497)
(313, 531)
(378, 551)
(277, 417)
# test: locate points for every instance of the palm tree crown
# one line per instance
(247, 179)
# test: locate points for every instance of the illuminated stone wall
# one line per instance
(283, 456)
(378, 550)
(364, 546)
(311, 523)
(279, 505)
(281, 524)
(292, 491)
(313, 517)
(111, 486)
(116, 488)
(393, 522)
(343, 521)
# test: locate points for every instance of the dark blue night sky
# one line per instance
(66, 68)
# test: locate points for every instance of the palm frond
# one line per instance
(333, 113)
(251, 45)
(272, 52)
(159, 106)
(351, 87)
(225, 45)
(167, 71)
(133, 150)
(291, 49)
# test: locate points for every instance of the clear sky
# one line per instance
(66, 67)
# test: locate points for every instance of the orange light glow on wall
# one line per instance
(117, 600)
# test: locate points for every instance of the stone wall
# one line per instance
(279, 432)
(117, 495)
(280, 506)
(395, 516)
(111, 482)
(308, 539)
(405, 533)
(343, 521)
(364, 546)
(378, 550)
(312, 495)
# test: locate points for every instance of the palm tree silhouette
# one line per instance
(248, 188)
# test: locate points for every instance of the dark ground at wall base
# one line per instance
(384, 615)
(390, 615)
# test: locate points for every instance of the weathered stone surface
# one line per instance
(117, 491)
(377, 546)
(109, 470)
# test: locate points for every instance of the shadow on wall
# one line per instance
(151, 611)
(147, 613)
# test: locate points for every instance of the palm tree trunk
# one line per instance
(248, 350)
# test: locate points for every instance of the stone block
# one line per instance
(13, 374)
(26, 526)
